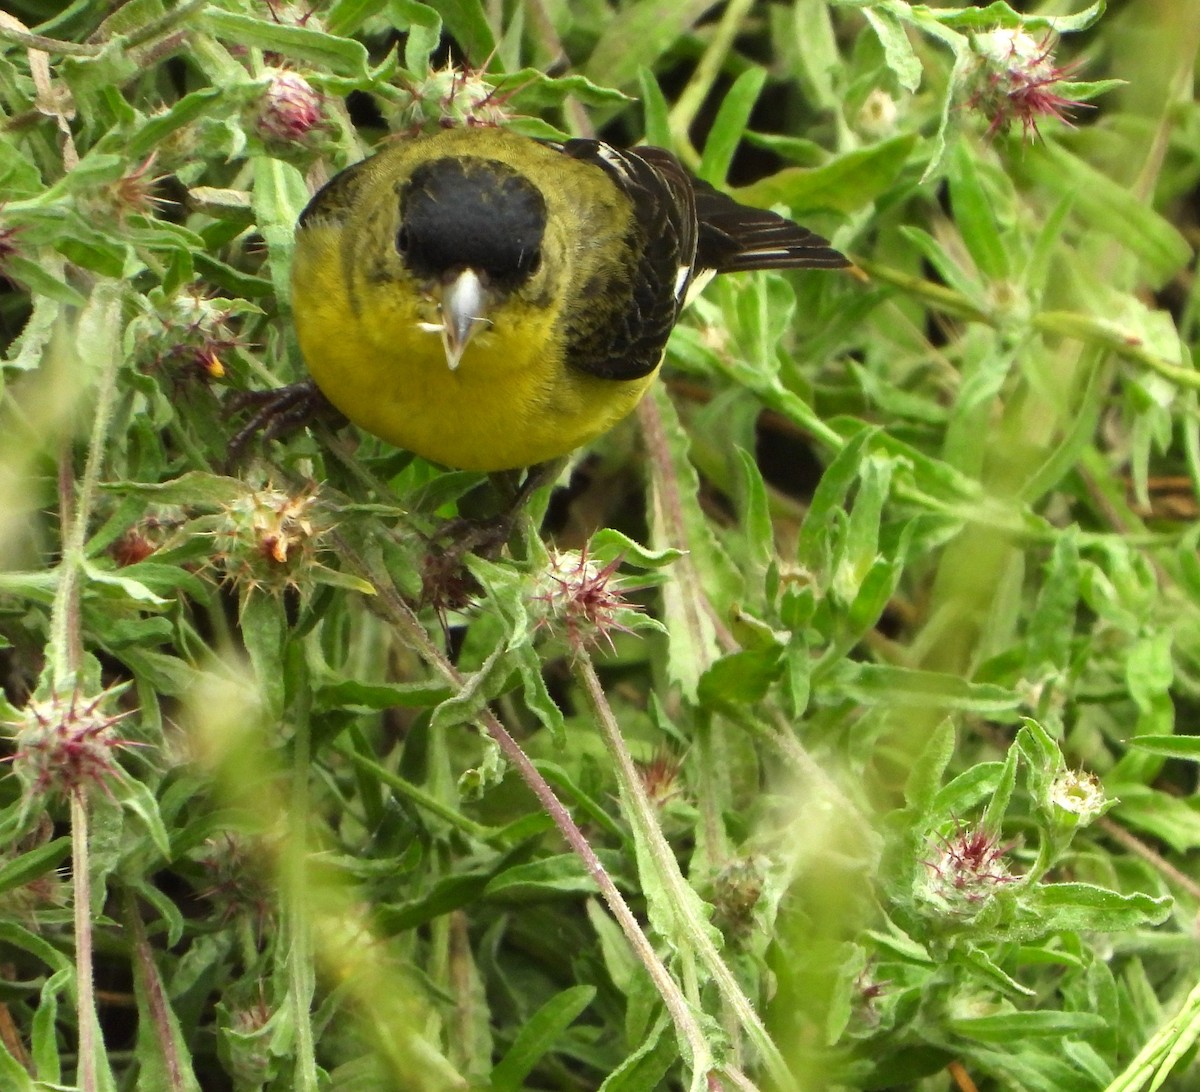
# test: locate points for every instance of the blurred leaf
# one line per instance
(538, 1036)
(847, 184)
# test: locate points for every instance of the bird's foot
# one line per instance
(279, 412)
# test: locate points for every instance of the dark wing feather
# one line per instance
(734, 238)
(681, 228)
(624, 337)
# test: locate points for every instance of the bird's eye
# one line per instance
(402, 240)
(535, 263)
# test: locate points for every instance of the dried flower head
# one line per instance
(878, 114)
(67, 745)
(290, 109)
(268, 538)
(134, 192)
(660, 777)
(239, 884)
(581, 599)
(246, 1040)
(1015, 80)
(144, 537)
(737, 889)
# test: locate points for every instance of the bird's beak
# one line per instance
(464, 308)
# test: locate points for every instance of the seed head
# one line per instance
(660, 777)
(268, 538)
(187, 335)
(737, 889)
(134, 192)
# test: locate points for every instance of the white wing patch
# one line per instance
(681, 279)
(697, 284)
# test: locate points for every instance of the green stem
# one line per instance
(422, 799)
(302, 978)
(65, 647)
(409, 626)
(1076, 325)
(84, 976)
(690, 102)
(693, 930)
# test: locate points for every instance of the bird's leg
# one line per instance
(279, 412)
(445, 583)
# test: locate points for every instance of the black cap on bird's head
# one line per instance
(471, 227)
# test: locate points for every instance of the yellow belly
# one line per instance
(512, 401)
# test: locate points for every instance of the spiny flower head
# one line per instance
(454, 97)
(269, 538)
(188, 334)
(67, 744)
(134, 192)
(581, 599)
(290, 108)
(968, 868)
(238, 882)
(660, 777)
(1015, 80)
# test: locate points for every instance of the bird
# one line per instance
(492, 302)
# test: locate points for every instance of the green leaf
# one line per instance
(40, 281)
(538, 1035)
(848, 184)
(1016, 1026)
(814, 548)
(1087, 908)
(139, 799)
(264, 632)
(325, 50)
(897, 49)
(647, 1065)
(533, 881)
(926, 773)
(351, 694)
(656, 123)
(1184, 747)
(424, 26)
(637, 36)
(151, 133)
(740, 677)
(1105, 206)
(13, 1074)
(34, 863)
(900, 687)
(974, 211)
(730, 124)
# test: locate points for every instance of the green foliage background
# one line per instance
(913, 552)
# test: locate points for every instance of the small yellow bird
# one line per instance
(489, 301)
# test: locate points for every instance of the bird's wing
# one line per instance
(627, 341)
(735, 237)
